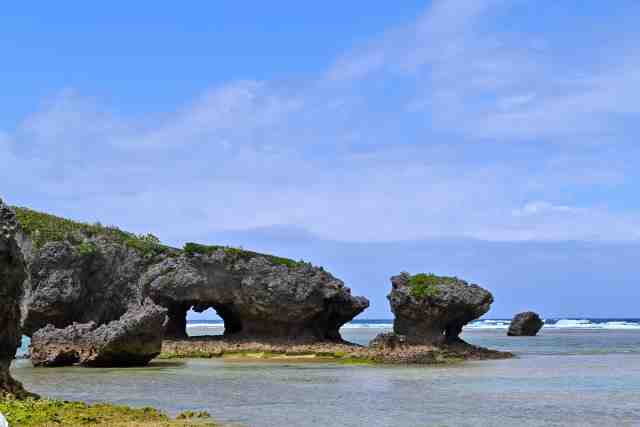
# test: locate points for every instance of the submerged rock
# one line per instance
(431, 309)
(133, 340)
(12, 275)
(527, 324)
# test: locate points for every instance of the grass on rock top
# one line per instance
(424, 285)
(236, 254)
(43, 228)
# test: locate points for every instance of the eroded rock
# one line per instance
(133, 340)
(255, 296)
(526, 324)
(69, 283)
(431, 309)
(92, 273)
(12, 275)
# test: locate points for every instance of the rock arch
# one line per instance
(254, 297)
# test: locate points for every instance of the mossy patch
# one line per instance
(36, 413)
(366, 361)
(238, 254)
(43, 228)
(425, 285)
(190, 354)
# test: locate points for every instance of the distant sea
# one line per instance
(559, 323)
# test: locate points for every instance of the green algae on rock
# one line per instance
(342, 353)
(45, 412)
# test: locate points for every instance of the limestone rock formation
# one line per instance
(256, 296)
(12, 275)
(81, 273)
(526, 324)
(93, 281)
(431, 309)
(133, 340)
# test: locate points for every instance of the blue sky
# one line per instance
(491, 139)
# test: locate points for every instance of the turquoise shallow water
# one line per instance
(562, 377)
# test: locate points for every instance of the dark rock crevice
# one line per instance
(12, 276)
(176, 326)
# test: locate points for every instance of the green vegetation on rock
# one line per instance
(43, 228)
(238, 254)
(424, 285)
(35, 413)
(87, 248)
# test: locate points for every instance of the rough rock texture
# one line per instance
(389, 349)
(93, 273)
(66, 285)
(437, 317)
(133, 340)
(254, 296)
(525, 324)
(12, 275)
(388, 341)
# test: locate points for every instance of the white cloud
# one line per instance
(540, 208)
(344, 157)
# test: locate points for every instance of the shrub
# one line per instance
(425, 285)
(237, 254)
(87, 248)
(43, 228)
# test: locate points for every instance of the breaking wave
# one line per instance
(608, 324)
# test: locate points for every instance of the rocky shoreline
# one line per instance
(98, 296)
(277, 350)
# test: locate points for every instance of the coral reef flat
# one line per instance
(535, 388)
(341, 352)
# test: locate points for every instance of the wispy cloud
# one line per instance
(401, 138)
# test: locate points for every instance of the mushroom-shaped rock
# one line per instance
(432, 309)
(256, 295)
(526, 324)
(12, 275)
(133, 340)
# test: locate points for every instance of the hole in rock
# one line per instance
(206, 323)
(201, 319)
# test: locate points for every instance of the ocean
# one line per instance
(576, 372)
